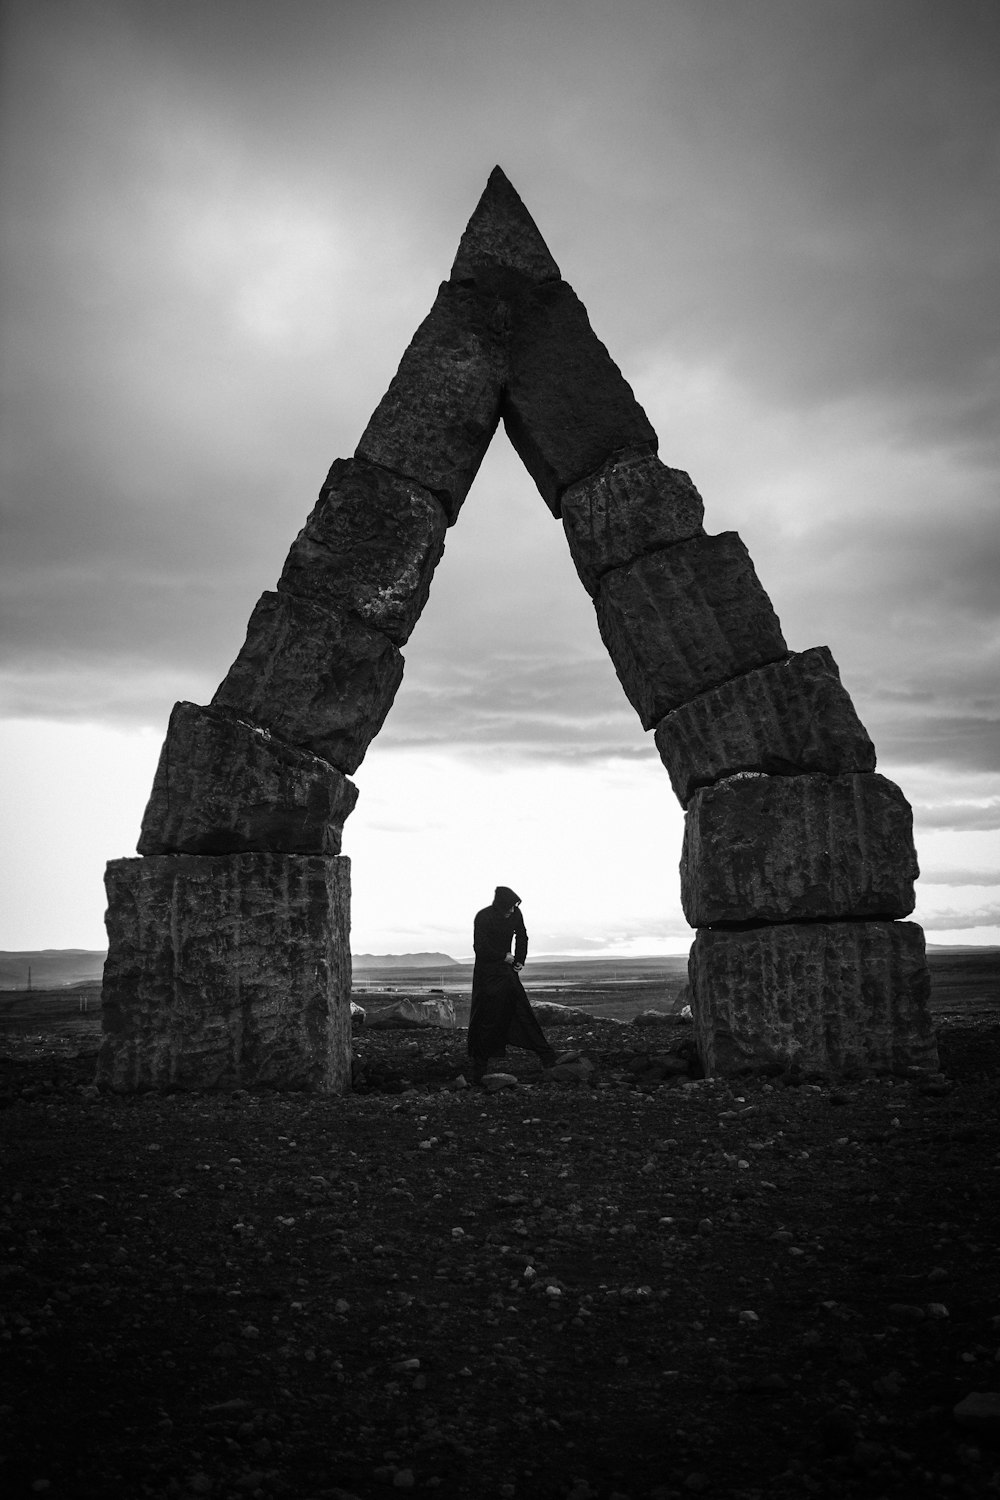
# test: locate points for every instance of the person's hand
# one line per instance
(518, 967)
(508, 958)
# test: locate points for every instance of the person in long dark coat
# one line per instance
(501, 1014)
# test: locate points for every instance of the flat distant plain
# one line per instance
(964, 982)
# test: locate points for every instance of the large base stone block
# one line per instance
(797, 848)
(314, 678)
(227, 972)
(369, 546)
(790, 717)
(568, 408)
(224, 786)
(835, 998)
(633, 505)
(684, 619)
(435, 422)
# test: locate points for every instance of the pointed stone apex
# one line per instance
(502, 234)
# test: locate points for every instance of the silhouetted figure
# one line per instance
(501, 1015)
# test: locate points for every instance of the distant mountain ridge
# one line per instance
(401, 960)
(51, 967)
(963, 948)
(54, 967)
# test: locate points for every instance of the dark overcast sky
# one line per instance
(221, 224)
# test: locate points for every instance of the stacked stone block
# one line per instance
(229, 936)
(314, 677)
(369, 546)
(834, 998)
(227, 971)
(435, 422)
(631, 506)
(567, 406)
(226, 786)
(684, 618)
(797, 867)
(788, 718)
(798, 861)
(797, 849)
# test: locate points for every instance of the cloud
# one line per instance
(547, 708)
(959, 815)
(963, 921)
(224, 222)
(958, 742)
(213, 303)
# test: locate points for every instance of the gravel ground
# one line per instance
(635, 1288)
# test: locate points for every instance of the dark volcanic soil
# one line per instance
(635, 1289)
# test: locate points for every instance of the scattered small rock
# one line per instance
(980, 1412)
(494, 1082)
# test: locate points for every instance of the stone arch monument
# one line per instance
(229, 937)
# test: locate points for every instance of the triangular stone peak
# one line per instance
(506, 338)
(229, 956)
(502, 237)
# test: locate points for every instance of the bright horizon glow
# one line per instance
(104, 775)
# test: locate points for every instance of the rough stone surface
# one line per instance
(502, 235)
(573, 1067)
(827, 997)
(315, 678)
(633, 505)
(407, 1014)
(980, 1412)
(551, 1013)
(227, 971)
(797, 848)
(787, 718)
(684, 619)
(435, 422)
(568, 408)
(223, 786)
(494, 1082)
(370, 546)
